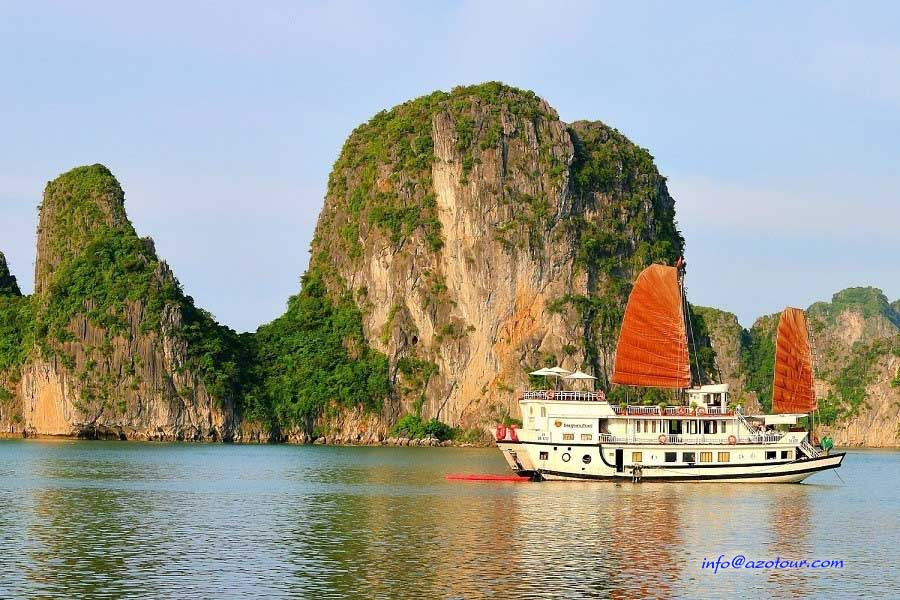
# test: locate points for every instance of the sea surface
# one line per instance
(128, 519)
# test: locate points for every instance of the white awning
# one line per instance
(543, 373)
(579, 375)
(559, 371)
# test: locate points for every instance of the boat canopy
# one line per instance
(792, 386)
(652, 350)
(786, 419)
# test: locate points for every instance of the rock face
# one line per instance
(856, 351)
(730, 342)
(115, 350)
(481, 237)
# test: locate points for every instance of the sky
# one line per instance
(776, 124)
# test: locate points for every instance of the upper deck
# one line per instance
(588, 416)
(712, 402)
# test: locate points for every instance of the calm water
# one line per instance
(128, 519)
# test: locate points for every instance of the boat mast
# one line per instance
(681, 265)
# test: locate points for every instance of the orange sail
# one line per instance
(652, 349)
(792, 388)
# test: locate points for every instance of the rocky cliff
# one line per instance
(113, 348)
(856, 349)
(479, 237)
(467, 237)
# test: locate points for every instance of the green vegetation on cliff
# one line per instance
(8, 284)
(16, 327)
(849, 384)
(869, 302)
(16, 334)
(758, 359)
(314, 355)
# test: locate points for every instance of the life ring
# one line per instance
(662, 439)
(550, 395)
(701, 412)
(566, 457)
(682, 410)
(501, 432)
(732, 440)
(512, 433)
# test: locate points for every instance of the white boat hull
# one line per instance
(524, 459)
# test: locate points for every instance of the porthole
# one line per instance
(586, 459)
(566, 456)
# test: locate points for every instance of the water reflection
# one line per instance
(106, 519)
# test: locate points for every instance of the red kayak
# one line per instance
(487, 477)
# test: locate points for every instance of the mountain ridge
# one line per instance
(466, 237)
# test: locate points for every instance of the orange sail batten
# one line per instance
(652, 349)
(792, 386)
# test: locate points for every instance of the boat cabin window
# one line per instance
(706, 457)
(688, 457)
(671, 456)
(722, 427)
(675, 427)
(653, 427)
(531, 409)
(786, 454)
(568, 437)
(636, 457)
(586, 437)
(724, 456)
(771, 455)
(544, 455)
(543, 411)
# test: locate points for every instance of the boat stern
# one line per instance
(516, 457)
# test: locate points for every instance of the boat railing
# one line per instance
(810, 451)
(681, 439)
(579, 395)
(671, 411)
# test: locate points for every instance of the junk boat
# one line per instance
(579, 435)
